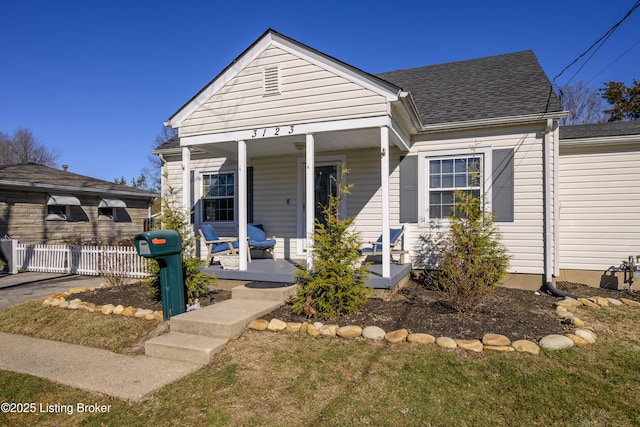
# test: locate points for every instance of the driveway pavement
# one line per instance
(28, 286)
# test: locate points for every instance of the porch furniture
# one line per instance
(395, 236)
(216, 245)
(257, 239)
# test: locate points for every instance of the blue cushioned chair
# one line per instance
(217, 245)
(395, 235)
(258, 240)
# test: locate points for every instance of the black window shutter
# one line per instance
(502, 186)
(409, 189)
(250, 194)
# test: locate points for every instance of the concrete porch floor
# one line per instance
(282, 270)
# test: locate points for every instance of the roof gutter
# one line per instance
(80, 190)
(492, 122)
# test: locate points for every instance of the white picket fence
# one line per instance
(87, 260)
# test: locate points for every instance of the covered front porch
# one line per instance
(282, 271)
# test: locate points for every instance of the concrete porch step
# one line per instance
(272, 294)
(226, 319)
(184, 347)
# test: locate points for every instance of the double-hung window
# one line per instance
(218, 201)
(445, 176)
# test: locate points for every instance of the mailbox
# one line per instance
(153, 244)
(165, 247)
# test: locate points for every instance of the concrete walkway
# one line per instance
(91, 369)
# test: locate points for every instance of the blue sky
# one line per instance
(95, 80)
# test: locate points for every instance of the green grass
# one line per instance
(268, 379)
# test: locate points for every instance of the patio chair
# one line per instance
(257, 239)
(395, 236)
(217, 245)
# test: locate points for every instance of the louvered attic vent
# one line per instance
(271, 81)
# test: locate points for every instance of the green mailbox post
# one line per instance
(165, 247)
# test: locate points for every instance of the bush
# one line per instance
(471, 260)
(197, 283)
(336, 283)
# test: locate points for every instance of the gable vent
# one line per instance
(271, 81)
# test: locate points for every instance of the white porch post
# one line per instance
(384, 186)
(242, 205)
(186, 179)
(309, 195)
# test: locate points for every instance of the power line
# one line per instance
(600, 41)
(614, 61)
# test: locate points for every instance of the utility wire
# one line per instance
(602, 39)
(614, 61)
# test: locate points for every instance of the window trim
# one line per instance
(423, 180)
(201, 196)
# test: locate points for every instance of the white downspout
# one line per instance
(550, 141)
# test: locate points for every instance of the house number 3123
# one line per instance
(278, 131)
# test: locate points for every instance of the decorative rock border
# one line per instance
(61, 300)
(581, 336)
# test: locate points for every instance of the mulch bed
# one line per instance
(518, 314)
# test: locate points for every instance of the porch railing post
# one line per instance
(384, 184)
(310, 195)
(242, 205)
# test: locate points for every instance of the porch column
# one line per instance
(309, 195)
(384, 186)
(186, 179)
(242, 205)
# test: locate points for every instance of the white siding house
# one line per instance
(600, 200)
(283, 114)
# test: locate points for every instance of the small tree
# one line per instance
(175, 218)
(336, 283)
(471, 259)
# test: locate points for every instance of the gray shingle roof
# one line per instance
(599, 130)
(498, 86)
(36, 176)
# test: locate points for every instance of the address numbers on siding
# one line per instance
(268, 132)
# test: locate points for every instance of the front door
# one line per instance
(326, 174)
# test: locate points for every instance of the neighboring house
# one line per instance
(258, 142)
(39, 204)
(599, 183)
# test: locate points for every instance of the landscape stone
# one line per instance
(397, 336)
(293, 326)
(495, 340)
(258, 324)
(64, 304)
(276, 325)
(107, 309)
(565, 314)
(556, 342)
(56, 302)
(141, 312)
(159, 315)
(586, 334)
(505, 348)
(446, 342)
(318, 325)
(602, 302)
(421, 338)
(473, 345)
(561, 308)
(568, 302)
(304, 327)
(312, 330)
(129, 311)
(578, 341)
(575, 321)
(328, 330)
(589, 303)
(150, 316)
(74, 305)
(614, 301)
(373, 333)
(630, 303)
(46, 302)
(350, 331)
(88, 306)
(118, 309)
(526, 346)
